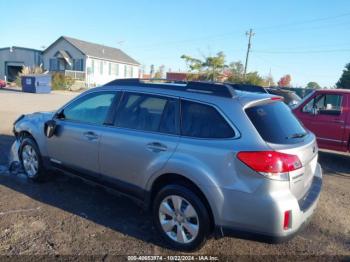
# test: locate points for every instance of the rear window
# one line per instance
(276, 123)
(203, 121)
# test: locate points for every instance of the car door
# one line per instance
(143, 138)
(305, 113)
(324, 115)
(330, 121)
(76, 141)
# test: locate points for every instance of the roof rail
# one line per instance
(248, 88)
(210, 88)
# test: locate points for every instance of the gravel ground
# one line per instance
(64, 216)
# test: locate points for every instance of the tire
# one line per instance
(31, 160)
(194, 226)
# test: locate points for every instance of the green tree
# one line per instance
(313, 85)
(344, 81)
(210, 68)
(193, 64)
(214, 66)
(236, 70)
(253, 78)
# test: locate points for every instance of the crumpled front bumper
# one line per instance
(14, 156)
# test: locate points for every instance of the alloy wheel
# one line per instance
(30, 160)
(178, 219)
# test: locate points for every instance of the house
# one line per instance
(92, 64)
(88, 63)
(13, 58)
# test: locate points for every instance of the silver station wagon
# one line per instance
(205, 158)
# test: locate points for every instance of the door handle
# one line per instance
(90, 135)
(156, 147)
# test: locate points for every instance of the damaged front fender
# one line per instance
(14, 161)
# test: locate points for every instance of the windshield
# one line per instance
(276, 123)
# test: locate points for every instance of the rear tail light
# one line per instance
(286, 220)
(272, 164)
(277, 98)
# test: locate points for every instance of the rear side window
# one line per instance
(203, 121)
(148, 113)
(276, 123)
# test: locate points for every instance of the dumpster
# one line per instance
(36, 83)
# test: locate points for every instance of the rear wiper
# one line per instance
(296, 135)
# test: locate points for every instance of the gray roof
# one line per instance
(100, 51)
(23, 48)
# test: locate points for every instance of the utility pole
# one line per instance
(249, 34)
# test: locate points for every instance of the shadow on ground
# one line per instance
(88, 201)
(5, 146)
(335, 163)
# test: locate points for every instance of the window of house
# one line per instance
(53, 64)
(92, 66)
(131, 71)
(109, 68)
(101, 67)
(203, 121)
(92, 108)
(148, 113)
(125, 71)
(78, 64)
(116, 69)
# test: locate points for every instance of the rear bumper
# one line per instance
(263, 215)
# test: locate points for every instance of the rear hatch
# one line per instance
(282, 132)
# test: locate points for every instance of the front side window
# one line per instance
(203, 121)
(91, 109)
(324, 104)
(148, 113)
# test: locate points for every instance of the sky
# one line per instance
(310, 40)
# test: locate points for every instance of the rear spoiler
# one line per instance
(262, 101)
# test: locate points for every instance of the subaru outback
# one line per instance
(205, 158)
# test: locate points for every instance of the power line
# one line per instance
(312, 47)
(284, 68)
(230, 33)
(303, 51)
(305, 21)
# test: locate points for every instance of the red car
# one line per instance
(327, 114)
(2, 83)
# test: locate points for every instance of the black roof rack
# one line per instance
(210, 88)
(248, 88)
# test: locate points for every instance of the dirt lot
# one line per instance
(64, 216)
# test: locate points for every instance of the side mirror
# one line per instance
(49, 128)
